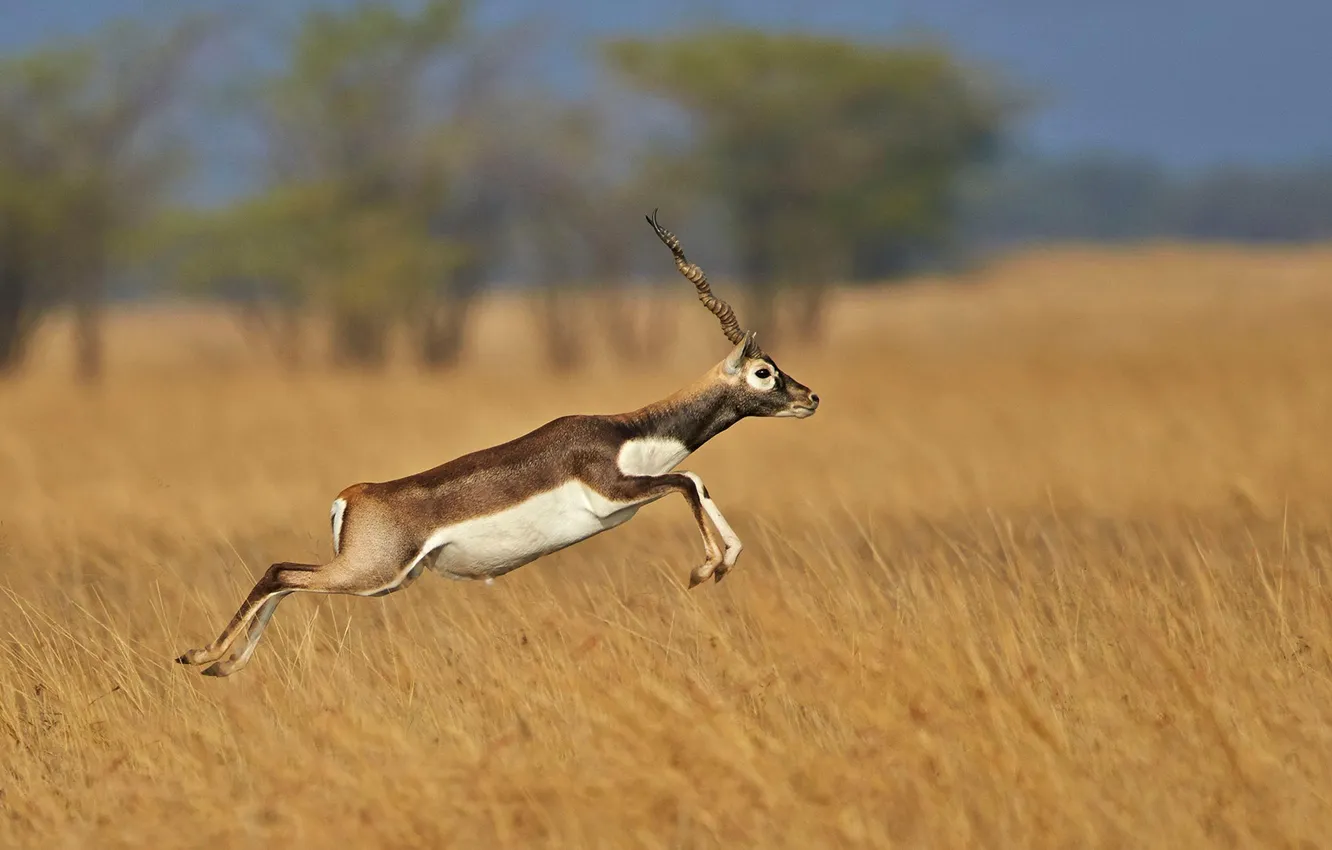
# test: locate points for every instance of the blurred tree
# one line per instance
(405, 172)
(536, 196)
(834, 159)
(350, 117)
(561, 199)
(348, 223)
(79, 169)
(404, 168)
(308, 241)
(629, 317)
(483, 147)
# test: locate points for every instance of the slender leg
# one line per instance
(274, 582)
(644, 488)
(732, 540)
(242, 652)
(344, 574)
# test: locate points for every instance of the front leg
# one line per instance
(719, 555)
(729, 537)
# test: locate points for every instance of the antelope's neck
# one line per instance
(692, 416)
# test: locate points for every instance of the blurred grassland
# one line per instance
(1049, 568)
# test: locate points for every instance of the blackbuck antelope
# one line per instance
(492, 511)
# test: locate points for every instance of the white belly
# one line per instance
(495, 544)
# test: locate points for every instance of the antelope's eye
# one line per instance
(762, 373)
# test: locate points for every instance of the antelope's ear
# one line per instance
(742, 351)
(751, 344)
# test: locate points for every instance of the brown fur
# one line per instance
(386, 526)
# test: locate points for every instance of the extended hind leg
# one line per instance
(242, 651)
(276, 582)
(344, 574)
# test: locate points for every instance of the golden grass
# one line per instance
(1049, 569)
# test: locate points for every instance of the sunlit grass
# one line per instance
(1049, 568)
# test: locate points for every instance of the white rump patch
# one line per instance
(339, 508)
(651, 456)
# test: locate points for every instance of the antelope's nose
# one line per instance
(814, 397)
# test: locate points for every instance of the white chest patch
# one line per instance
(493, 545)
(651, 456)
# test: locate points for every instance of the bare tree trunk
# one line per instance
(360, 340)
(761, 312)
(636, 331)
(444, 328)
(289, 340)
(276, 328)
(89, 340)
(443, 333)
(757, 261)
(811, 264)
(811, 316)
(478, 222)
(13, 338)
(558, 317)
(559, 325)
(632, 336)
(15, 294)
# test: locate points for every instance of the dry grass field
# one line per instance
(1052, 567)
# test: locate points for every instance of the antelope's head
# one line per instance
(754, 383)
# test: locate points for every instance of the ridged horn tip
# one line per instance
(662, 233)
(695, 275)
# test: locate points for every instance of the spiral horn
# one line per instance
(696, 276)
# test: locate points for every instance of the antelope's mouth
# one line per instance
(801, 411)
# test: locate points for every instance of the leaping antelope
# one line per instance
(492, 511)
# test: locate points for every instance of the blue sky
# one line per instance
(1189, 82)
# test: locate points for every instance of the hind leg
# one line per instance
(343, 574)
(243, 650)
(273, 584)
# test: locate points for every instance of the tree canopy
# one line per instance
(833, 158)
(80, 168)
(405, 170)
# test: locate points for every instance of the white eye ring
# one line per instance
(765, 383)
